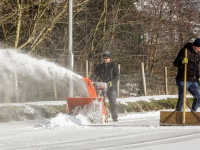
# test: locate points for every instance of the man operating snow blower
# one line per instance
(108, 72)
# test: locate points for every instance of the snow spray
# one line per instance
(87, 115)
(24, 78)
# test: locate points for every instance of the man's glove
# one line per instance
(109, 84)
(185, 61)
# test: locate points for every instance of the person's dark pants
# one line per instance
(112, 95)
(193, 88)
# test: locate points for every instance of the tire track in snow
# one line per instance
(75, 144)
(109, 141)
(154, 142)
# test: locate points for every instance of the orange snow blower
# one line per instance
(96, 92)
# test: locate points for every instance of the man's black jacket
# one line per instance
(106, 72)
(192, 66)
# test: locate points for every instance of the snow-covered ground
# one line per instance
(139, 131)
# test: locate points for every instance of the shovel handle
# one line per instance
(184, 89)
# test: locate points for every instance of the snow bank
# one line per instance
(147, 98)
(142, 115)
(62, 121)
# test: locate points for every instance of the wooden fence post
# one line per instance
(54, 88)
(118, 82)
(86, 68)
(166, 85)
(144, 80)
(16, 87)
(7, 89)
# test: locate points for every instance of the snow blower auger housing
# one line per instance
(96, 92)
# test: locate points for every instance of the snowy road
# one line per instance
(139, 131)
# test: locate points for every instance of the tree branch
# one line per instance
(19, 6)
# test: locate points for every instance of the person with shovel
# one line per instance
(192, 77)
(108, 72)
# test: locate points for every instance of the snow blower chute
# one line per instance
(96, 92)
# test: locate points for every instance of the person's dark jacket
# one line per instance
(192, 66)
(106, 72)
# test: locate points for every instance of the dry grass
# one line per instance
(18, 113)
(140, 106)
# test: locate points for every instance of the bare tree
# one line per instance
(135, 31)
(169, 25)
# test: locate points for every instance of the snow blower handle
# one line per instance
(100, 85)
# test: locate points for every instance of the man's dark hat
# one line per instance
(197, 42)
(107, 54)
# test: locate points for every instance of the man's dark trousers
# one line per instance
(193, 88)
(112, 95)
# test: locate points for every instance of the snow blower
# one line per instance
(96, 101)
